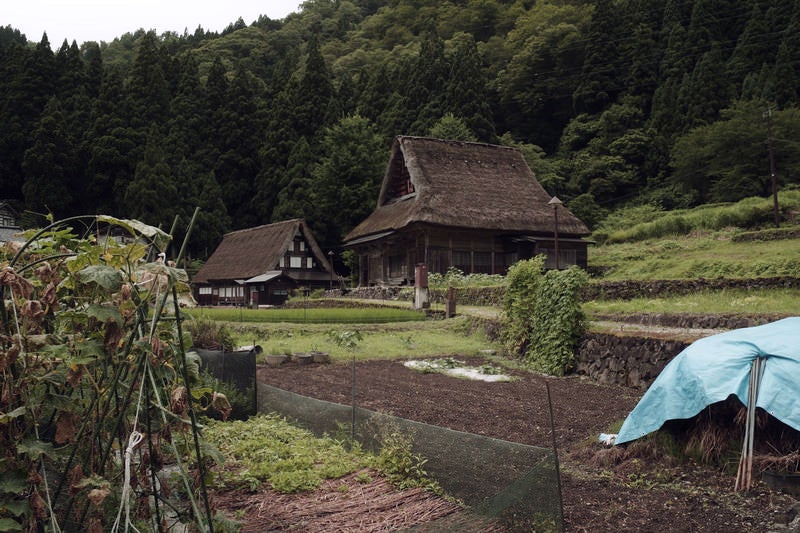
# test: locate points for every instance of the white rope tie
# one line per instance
(135, 437)
(133, 441)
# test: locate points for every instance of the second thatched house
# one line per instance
(262, 265)
(9, 225)
(473, 206)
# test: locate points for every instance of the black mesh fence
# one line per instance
(238, 371)
(504, 486)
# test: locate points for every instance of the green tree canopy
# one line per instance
(347, 178)
(728, 160)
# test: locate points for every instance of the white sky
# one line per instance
(103, 20)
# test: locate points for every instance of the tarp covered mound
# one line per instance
(711, 369)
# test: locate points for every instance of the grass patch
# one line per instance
(707, 255)
(765, 301)
(398, 340)
(648, 222)
(312, 315)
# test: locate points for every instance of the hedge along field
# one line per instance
(311, 315)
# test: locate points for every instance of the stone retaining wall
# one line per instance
(627, 360)
(627, 290)
(377, 292)
(690, 320)
(602, 290)
(624, 360)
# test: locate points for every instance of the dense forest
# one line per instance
(615, 103)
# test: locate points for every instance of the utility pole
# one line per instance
(768, 116)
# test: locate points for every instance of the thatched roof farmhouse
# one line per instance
(474, 206)
(261, 265)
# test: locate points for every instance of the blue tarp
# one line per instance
(711, 369)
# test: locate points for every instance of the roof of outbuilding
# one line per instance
(465, 185)
(251, 252)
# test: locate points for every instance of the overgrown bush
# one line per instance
(238, 405)
(542, 315)
(92, 380)
(455, 277)
(210, 335)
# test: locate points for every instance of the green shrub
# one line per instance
(267, 449)
(454, 277)
(542, 315)
(404, 468)
(210, 335)
(523, 279)
(559, 321)
(241, 404)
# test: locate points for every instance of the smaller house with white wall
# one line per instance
(9, 225)
(261, 266)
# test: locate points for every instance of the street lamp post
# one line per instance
(330, 264)
(555, 202)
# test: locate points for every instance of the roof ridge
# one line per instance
(270, 225)
(456, 141)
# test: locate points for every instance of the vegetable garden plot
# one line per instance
(514, 485)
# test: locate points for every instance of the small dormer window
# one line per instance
(302, 246)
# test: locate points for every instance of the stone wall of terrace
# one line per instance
(632, 361)
(601, 290)
(627, 290)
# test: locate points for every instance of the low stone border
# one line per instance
(690, 320)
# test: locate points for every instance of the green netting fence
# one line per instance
(504, 486)
(238, 371)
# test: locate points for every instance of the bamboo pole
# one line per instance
(744, 474)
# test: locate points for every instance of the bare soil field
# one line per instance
(603, 489)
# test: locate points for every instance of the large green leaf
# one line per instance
(104, 313)
(158, 237)
(7, 524)
(107, 277)
(13, 482)
(15, 507)
(5, 418)
(34, 448)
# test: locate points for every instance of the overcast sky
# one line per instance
(103, 20)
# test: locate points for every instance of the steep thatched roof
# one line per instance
(465, 185)
(250, 252)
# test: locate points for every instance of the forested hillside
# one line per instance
(614, 102)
